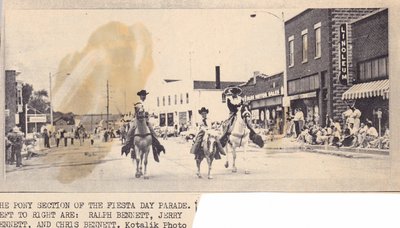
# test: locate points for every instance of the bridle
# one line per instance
(139, 112)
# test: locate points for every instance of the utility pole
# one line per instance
(108, 103)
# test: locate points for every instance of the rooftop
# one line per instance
(210, 85)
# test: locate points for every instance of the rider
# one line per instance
(234, 104)
(204, 125)
(157, 147)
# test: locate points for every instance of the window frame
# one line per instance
(304, 46)
(291, 51)
(318, 47)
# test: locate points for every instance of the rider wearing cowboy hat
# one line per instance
(234, 103)
(156, 145)
(204, 125)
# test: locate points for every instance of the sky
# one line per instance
(165, 44)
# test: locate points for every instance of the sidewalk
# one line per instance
(282, 143)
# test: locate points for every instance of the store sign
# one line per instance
(37, 119)
(268, 94)
(303, 96)
(343, 46)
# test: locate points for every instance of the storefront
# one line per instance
(264, 94)
(372, 99)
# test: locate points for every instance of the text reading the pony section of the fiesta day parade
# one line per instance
(113, 214)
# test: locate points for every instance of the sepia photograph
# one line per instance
(196, 100)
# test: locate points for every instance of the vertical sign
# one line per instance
(343, 63)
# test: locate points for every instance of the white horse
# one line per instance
(239, 137)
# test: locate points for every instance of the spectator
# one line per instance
(65, 135)
(347, 114)
(46, 138)
(16, 137)
(356, 116)
(58, 137)
(72, 135)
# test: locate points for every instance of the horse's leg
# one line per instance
(227, 155)
(209, 161)
(234, 169)
(198, 163)
(141, 163)
(146, 155)
(246, 171)
(137, 162)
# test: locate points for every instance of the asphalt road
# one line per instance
(101, 168)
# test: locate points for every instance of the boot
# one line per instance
(224, 139)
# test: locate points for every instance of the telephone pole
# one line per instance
(108, 103)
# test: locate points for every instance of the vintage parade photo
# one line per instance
(196, 100)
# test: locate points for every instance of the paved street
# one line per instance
(101, 168)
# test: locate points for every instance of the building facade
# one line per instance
(264, 93)
(13, 100)
(178, 101)
(319, 62)
(370, 90)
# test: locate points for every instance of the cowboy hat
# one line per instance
(235, 90)
(203, 109)
(142, 93)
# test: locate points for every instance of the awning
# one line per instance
(368, 89)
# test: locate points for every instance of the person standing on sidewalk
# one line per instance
(16, 138)
(58, 137)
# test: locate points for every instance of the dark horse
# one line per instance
(142, 141)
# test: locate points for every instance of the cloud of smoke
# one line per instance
(114, 52)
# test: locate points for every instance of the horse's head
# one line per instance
(139, 111)
(211, 141)
(245, 112)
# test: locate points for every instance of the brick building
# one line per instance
(315, 60)
(13, 99)
(370, 90)
(264, 93)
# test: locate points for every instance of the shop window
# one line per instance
(373, 69)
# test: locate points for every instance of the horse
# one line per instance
(239, 137)
(142, 142)
(208, 150)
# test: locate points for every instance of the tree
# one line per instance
(27, 91)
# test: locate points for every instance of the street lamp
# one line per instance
(50, 94)
(285, 100)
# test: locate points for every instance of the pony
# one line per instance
(142, 141)
(239, 137)
(208, 150)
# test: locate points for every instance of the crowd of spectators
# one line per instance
(351, 133)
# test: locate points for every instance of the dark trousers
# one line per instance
(47, 142)
(297, 128)
(17, 152)
(65, 141)
(72, 140)
(58, 142)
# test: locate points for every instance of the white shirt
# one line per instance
(372, 132)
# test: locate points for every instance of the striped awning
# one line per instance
(368, 89)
